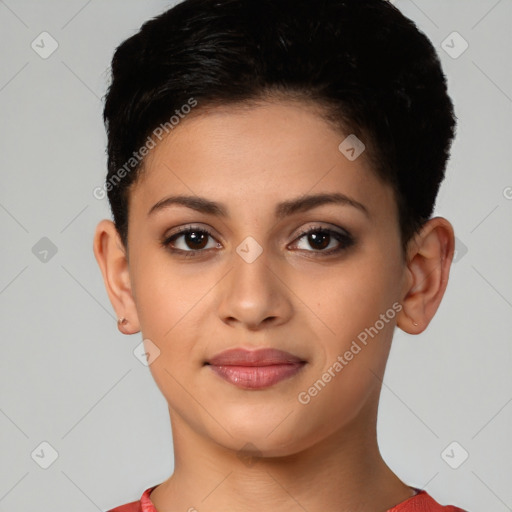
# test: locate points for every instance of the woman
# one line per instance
(273, 169)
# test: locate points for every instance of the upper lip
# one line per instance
(260, 357)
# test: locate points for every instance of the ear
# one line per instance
(112, 259)
(429, 257)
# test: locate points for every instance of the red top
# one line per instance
(420, 502)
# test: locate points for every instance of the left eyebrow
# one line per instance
(283, 209)
(305, 203)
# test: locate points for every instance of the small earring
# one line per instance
(414, 323)
(122, 321)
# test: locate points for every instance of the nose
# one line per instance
(255, 294)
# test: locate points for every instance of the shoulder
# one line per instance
(423, 502)
(134, 506)
(142, 505)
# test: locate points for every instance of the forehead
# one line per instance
(256, 154)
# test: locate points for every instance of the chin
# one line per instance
(253, 447)
(257, 438)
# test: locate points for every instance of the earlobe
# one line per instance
(111, 257)
(429, 258)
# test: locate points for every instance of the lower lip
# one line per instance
(257, 377)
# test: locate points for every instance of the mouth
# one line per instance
(255, 369)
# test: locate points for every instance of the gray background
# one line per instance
(70, 379)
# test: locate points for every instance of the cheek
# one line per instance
(358, 307)
(173, 302)
(360, 315)
(165, 294)
(354, 298)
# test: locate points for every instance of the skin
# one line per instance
(322, 455)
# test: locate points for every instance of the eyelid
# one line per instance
(317, 227)
(190, 227)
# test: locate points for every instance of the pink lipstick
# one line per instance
(255, 369)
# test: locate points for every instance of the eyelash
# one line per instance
(345, 239)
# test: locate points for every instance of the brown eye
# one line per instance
(190, 240)
(321, 239)
(195, 239)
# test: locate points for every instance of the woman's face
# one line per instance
(250, 278)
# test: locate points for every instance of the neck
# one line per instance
(344, 472)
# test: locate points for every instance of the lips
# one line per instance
(255, 369)
(261, 357)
